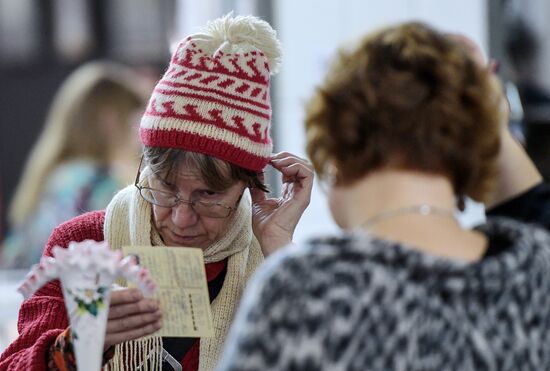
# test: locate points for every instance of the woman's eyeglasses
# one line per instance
(169, 199)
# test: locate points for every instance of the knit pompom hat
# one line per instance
(214, 97)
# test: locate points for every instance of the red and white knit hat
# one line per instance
(214, 97)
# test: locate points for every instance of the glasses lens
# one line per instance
(211, 210)
(168, 199)
(159, 198)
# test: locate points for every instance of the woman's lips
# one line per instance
(186, 239)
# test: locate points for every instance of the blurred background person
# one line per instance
(86, 152)
(406, 124)
(523, 49)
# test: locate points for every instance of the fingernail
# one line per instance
(135, 258)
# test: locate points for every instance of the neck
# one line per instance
(389, 190)
(389, 205)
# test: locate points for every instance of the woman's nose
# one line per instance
(183, 214)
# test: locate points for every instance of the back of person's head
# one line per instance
(410, 98)
(94, 104)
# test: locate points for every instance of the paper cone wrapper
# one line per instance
(87, 269)
(87, 298)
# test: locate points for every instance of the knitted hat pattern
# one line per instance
(214, 97)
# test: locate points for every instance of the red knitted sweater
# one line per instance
(43, 317)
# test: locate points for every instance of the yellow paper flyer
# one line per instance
(181, 289)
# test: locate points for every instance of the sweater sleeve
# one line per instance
(268, 323)
(315, 307)
(532, 206)
(43, 317)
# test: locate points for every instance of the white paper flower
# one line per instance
(85, 261)
(87, 271)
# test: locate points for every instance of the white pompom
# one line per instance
(241, 34)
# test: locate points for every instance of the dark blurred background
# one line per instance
(41, 42)
(518, 40)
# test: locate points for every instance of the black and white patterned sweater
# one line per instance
(358, 303)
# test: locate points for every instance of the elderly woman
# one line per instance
(405, 125)
(206, 142)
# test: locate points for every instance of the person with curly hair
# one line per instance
(406, 125)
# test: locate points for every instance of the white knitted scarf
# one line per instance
(128, 223)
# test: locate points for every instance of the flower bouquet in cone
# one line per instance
(87, 271)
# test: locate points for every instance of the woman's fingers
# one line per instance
(298, 174)
(131, 316)
(142, 306)
(296, 171)
(285, 158)
(135, 333)
(125, 296)
(132, 322)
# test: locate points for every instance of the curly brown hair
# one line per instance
(411, 98)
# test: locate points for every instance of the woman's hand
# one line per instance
(274, 219)
(131, 316)
(516, 171)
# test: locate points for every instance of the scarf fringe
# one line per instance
(142, 354)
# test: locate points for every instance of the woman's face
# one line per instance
(181, 225)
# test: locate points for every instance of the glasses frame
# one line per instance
(179, 200)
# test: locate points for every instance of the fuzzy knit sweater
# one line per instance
(43, 317)
(354, 302)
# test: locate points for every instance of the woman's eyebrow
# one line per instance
(211, 189)
(163, 180)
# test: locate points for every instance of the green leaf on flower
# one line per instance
(92, 308)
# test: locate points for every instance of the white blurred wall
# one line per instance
(10, 300)
(310, 31)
